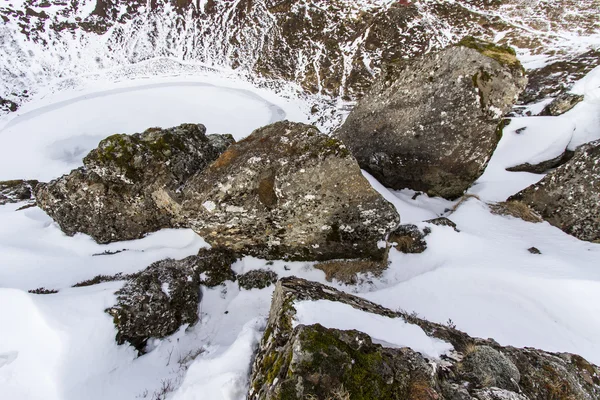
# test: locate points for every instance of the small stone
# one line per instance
(534, 250)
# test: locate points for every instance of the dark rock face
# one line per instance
(316, 362)
(16, 191)
(257, 279)
(288, 192)
(563, 103)
(569, 197)
(122, 190)
(544, 166)
(409, 239)
(434, 127)
(166, 295)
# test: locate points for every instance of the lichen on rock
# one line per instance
(124, 189)
(288, 191)
(434, 127)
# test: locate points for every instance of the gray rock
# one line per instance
(568, 197)
(490, 368)
(288, 192)
(121, 192)
(562, 103)
(16, 191)
(316, 362)
(435, 126)
(166, 295)
(257, 279)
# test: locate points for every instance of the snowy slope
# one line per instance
(85, 66)
(335, 48)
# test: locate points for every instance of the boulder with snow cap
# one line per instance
(305, 355)
(569, 196)
(288, 191)
(434, 127)
(120, 193)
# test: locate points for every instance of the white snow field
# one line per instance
(59, 133)
(62, 346)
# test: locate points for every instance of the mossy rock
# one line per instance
(505, 55)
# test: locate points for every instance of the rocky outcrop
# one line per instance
(313, 361)
(123, 188)
(166, 295)
(257, 279)
(288, 192)
(569, 197)
(561, 104)
(335, 47)
(16, 191)
(434, 127)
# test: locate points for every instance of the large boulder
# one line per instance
(288, 192)
(157, 301)
(569, 196)
(434, 126)
(120, 192)
(299, 360)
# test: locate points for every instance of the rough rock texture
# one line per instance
(158, 300)
(569, 197)
(563, 103)
(121, 192)
(257, 279)
(409, 239)
(434, 127)
(288, 192)
(16, 191)
(314, 362)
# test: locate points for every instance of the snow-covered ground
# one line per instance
(483, 279)
(58, 131)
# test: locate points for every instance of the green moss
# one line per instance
(117, 150)
(358, 371)
(505, 55)
(336, 146)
